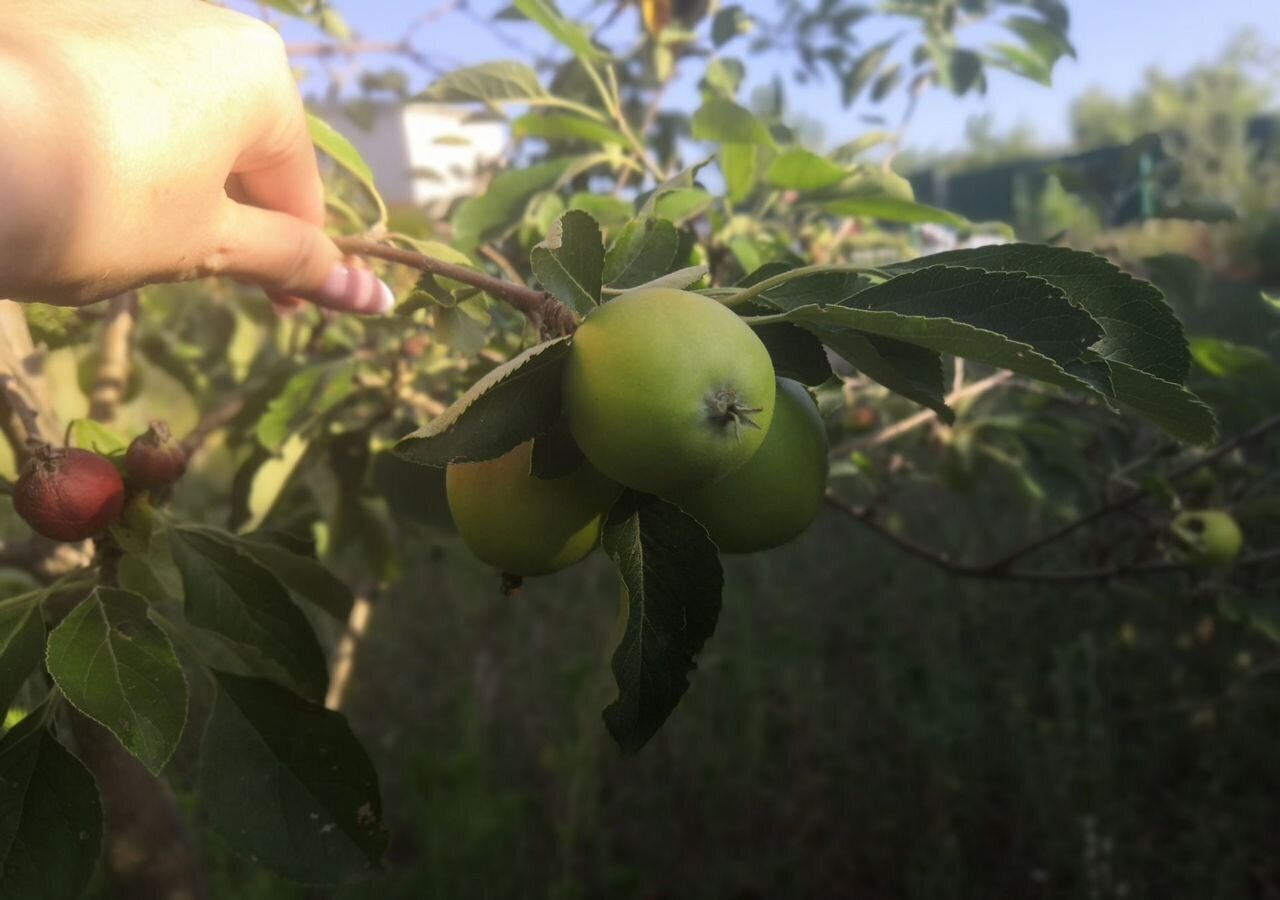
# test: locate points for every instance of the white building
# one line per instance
(423, 154)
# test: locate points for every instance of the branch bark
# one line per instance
(867, 517)
(544, 309)
(112, 378)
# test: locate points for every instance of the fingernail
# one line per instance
(348, 289)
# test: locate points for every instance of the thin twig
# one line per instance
(495, 256)
(542, 307)
(1133, 495)
(219, 417)
(898, 429)
(867, 516)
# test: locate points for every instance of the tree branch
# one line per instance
(23, 391)
(540, 306)
(867, 517)
(911, 423)
(1133, 495)
(219, 417)
(112, 379)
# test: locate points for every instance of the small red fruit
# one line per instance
(68, 495)
(155, 459)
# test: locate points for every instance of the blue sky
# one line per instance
(1117, 40)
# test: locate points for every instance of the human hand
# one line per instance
(129, 127)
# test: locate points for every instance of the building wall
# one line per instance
(421, 154)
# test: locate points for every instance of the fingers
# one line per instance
(284, 177)
(293, 258)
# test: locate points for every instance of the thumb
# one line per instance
(289, 257)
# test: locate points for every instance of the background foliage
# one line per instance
(971, 716)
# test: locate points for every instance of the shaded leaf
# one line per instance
(230, 594)
(303, 575)
(21, 642)
(863, 70)
(914, 372)
(288, 785)
(50, 816)
(118, 668)
(1139, 326)
(515, 402)
(672, 582)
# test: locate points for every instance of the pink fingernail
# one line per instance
(355, 290)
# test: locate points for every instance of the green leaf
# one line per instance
(306, 397)
(288, 785)
(1020, 307)
(503, 202)
(459, 331)
(50, 816)
(728, 24)
(343, 152)
(230, 594)
(609, 212)
(1019, 61)
(330, 141)
(679, 205)
(672, 582)
(570, 262)
(680, 280)
(491, 83)
(645, 250)
(801, 170)
(118, 668)
(964, 69)
(894, 209)
(515, 402)
(269, 478)
(863, 70)
(21, 642)
(885, 82)
(87, 434)
(1170, 406)
(1047, 42)
(916, 310)
(566, 33)
(725, 122)
(724, 76)
(565, 127)
(740, 165)
(1140, 328)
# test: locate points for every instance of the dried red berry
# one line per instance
(68, 495)
(155, 459)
